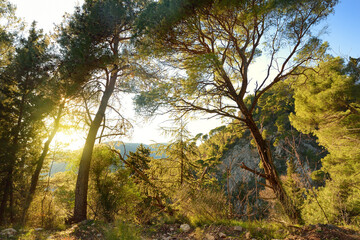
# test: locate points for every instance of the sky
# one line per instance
(343, 35)
(343, 29)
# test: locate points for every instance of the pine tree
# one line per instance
(216, 43)
(328, 106)
(27, 85)
(96, 45)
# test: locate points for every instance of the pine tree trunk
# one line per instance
(272, 176)
(182, 159)
(81, 189)
(40, 162)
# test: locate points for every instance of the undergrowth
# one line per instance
(123, 231)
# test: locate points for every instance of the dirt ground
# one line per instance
(173, 232)
(311, 232)
(324, 232)
(92, 231)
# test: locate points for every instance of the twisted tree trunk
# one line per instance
(271, 175)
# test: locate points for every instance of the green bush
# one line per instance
(112, 192)
(340, 204)
(123, 231)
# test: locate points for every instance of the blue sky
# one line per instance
(344, 29)
(343, 34)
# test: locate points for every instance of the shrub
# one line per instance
(123, 231)
(111, 191)
(201, 206)
(341, 205)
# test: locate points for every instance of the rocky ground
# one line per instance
(324, 231)
(90, 230)
(312, 232)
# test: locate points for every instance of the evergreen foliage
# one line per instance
(29, 96)
(112, 191)
(328, 107)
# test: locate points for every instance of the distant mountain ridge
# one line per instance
(123, 147)
(131, 147)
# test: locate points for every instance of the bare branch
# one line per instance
(243, 166)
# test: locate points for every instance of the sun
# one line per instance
(69, 140)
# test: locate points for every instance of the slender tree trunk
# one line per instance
(81, 189)
(40, 162)
(271, 174)
(182, 159)
(11, 200)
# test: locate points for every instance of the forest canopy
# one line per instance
(288, 149)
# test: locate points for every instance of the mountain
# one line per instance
(124, 149)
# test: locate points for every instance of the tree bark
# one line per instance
(271, 174)
(40, 162)
(81, 189)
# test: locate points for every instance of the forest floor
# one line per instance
(91, 230)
